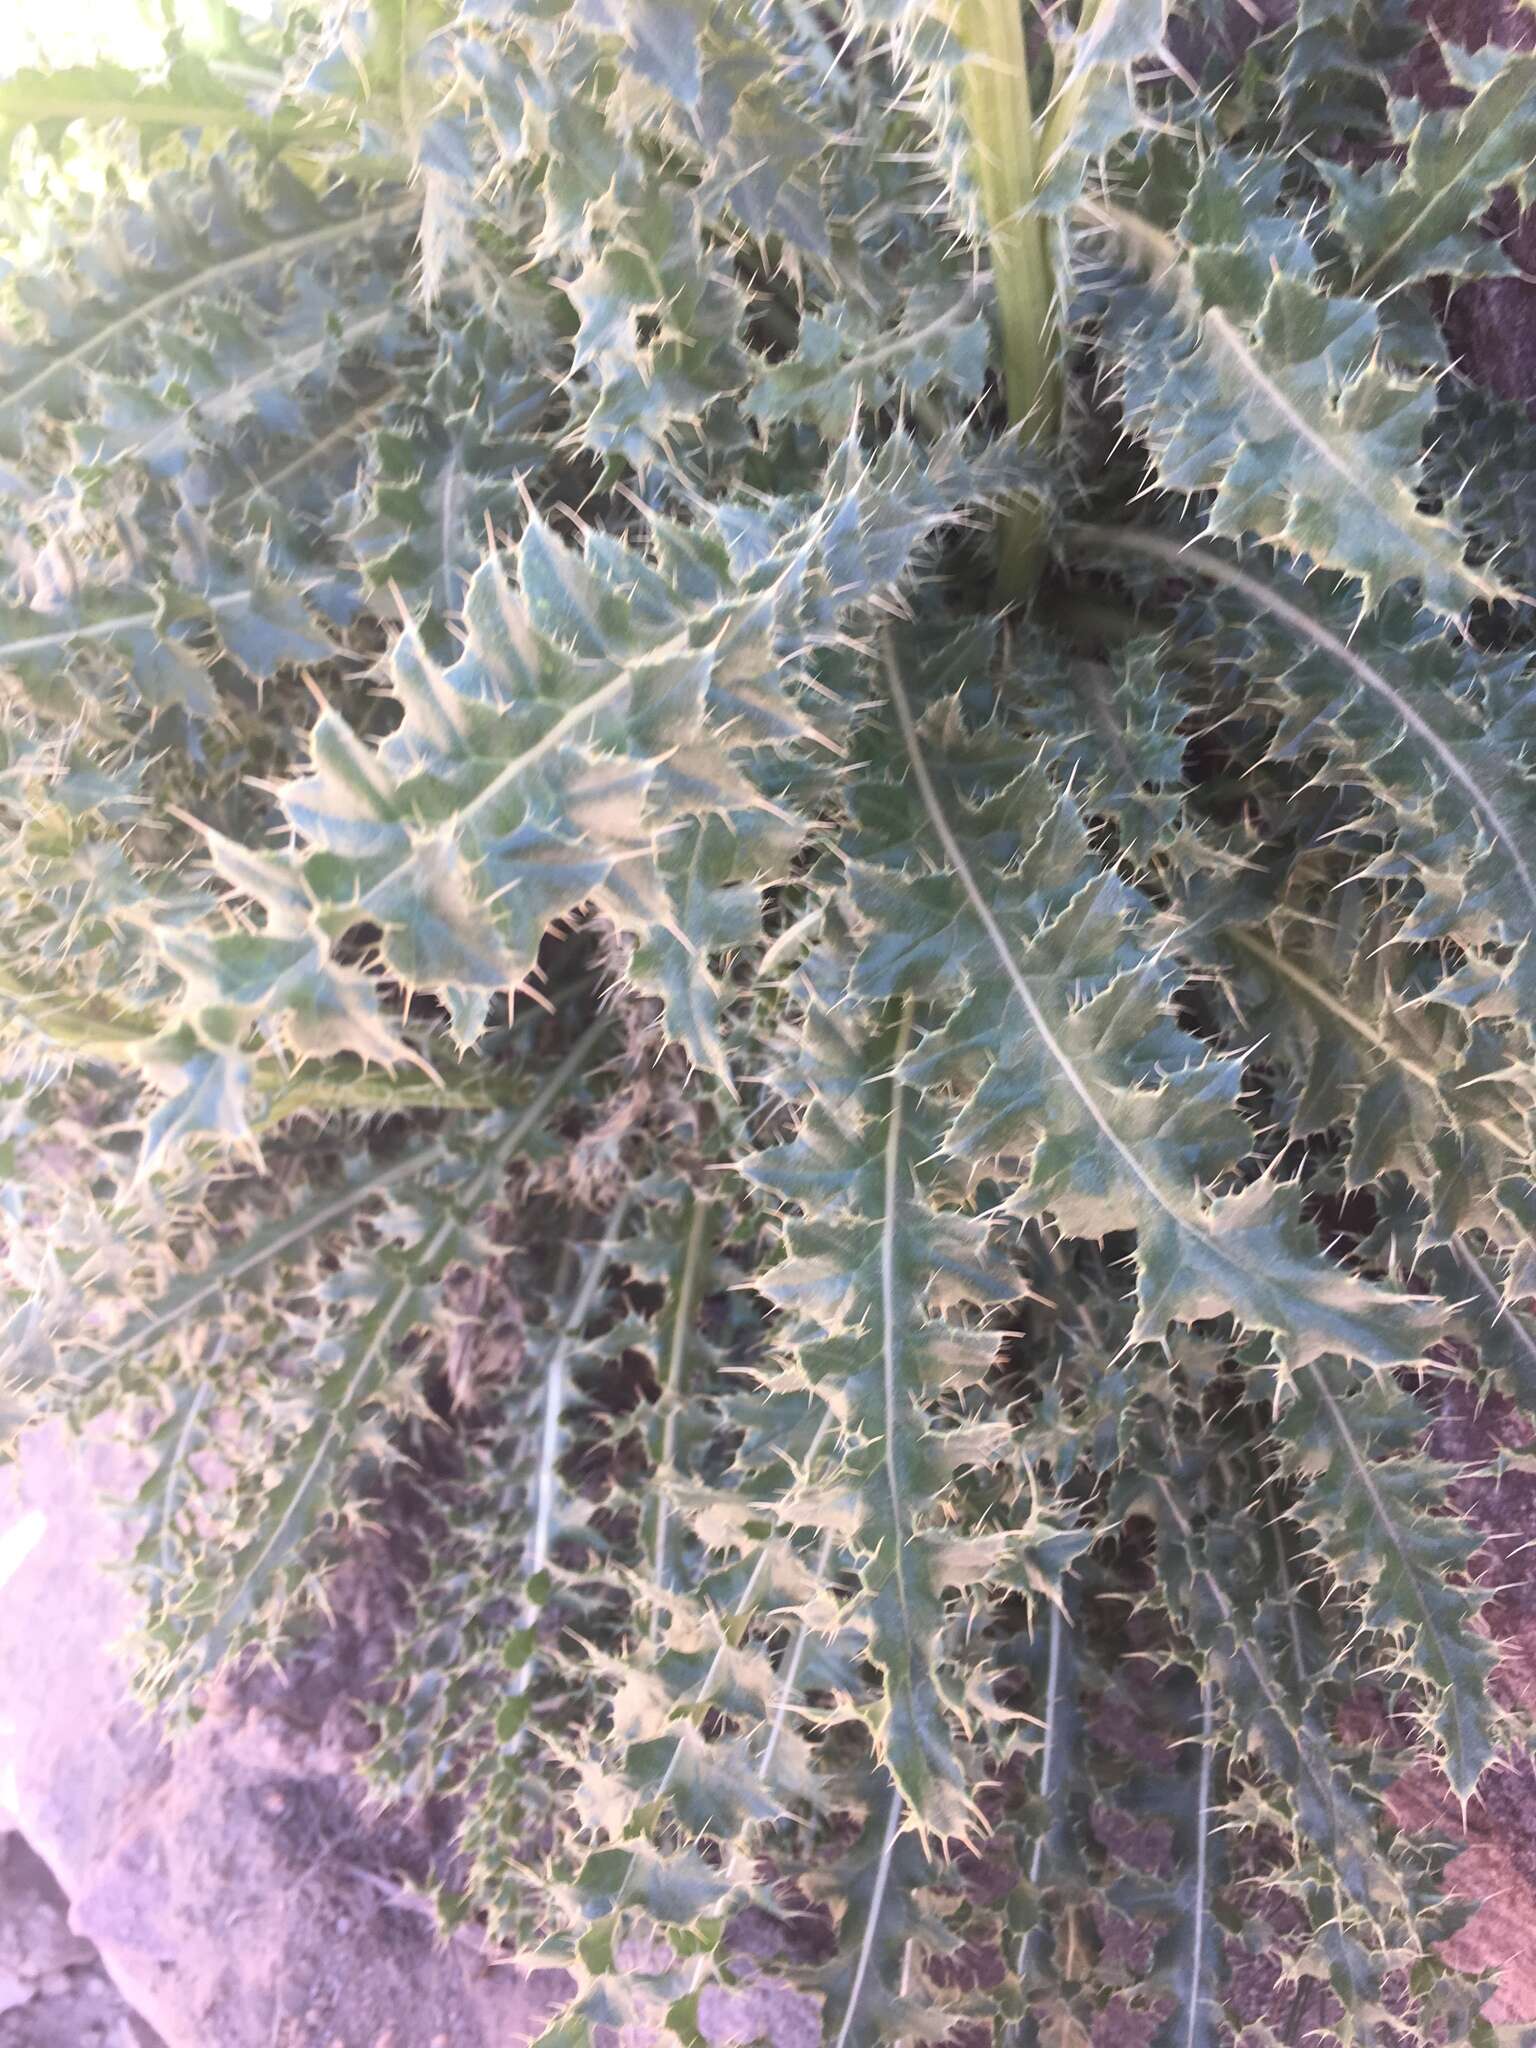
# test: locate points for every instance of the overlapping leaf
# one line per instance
(867, 1272)
(1110, 1117)
(1419, 219)
(1105, 1037)
(1250, 382)
(597, 739)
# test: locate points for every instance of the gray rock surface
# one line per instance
(54, 1992)
(236, 1889)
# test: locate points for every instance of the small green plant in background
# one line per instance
(770, 863)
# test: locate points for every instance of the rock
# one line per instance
(53, 1993)
(37, 1945)
(212, 1875)
(770, 2013)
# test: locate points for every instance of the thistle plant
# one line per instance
(770, 864)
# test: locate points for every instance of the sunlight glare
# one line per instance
(55, 32)
(18, 1542)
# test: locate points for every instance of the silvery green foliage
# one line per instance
(1251, 383)
(876, 1188)
(1402, 225)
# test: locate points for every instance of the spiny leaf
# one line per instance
(395, 1288)
(862, 1271)
(1248, 381)
(45, 372)
(1419, 218)
(193, 1294)
(842, 368)
(1109, 1133)
(191, 95)
(1403, 717)
(1356, 1440)
(1278, 1715)
(1092, 104)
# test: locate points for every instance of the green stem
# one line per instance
(32, 101)
(94, 1028)
(337, 1085)
(1007, 164)
(36, 100)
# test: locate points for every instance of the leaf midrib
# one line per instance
(872, 1919)
(210, 277)
(1445, 195)
(1163, 255)
(684, 1309)
(1198, 1938)
(1164, 1201)
(890, 1309)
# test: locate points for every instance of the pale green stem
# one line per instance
(1007, 163)
(36, 99)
